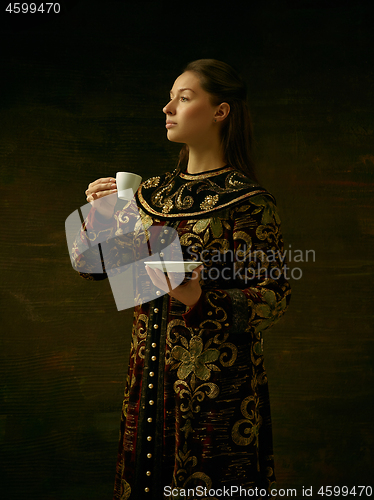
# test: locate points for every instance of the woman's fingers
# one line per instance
(164, 281)
(102, 180)
(100, 194)
(168, 283)
(158, 278)
(188, 293)
(196, 272)
(100, 188)
(101, 184)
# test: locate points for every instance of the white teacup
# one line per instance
(127, 184)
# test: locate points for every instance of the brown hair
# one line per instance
(224, 84)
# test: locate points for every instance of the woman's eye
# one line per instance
(182, 98)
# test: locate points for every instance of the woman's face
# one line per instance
(189, 113)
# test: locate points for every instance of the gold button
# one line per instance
(154, 344)
(156, 309)
(158, 292)
(227, 324)
(150, 386)
(148, 473)
(146, 489)
(151, 402)
(166, 231)
(153, 358)
(155, 327)
(149, 419)
(161, 254)
(162, 241)
(149, 438)
(210, 313)
(151, 374)
(149, 455)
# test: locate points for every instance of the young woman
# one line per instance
(196, 417)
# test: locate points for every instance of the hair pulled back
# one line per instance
(224, 84)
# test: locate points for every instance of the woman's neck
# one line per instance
(204, 160)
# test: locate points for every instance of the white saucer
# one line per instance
(173, 266)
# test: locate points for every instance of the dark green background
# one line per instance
(81, 98)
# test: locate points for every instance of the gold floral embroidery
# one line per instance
(158, 195)
(187, 192)
(186, 202)
(198, 237)
(125, 490)
(142, 225)
(269, 211)
(247, 429)
(194, 397)
(266, 233)
(183, 457)
(209, 201)
(167, 206)
(232, 180)
(174, 329)
(179, 492)
(215, 224)
(126, 397)
(219, 312)
(204, 478)
(226, 358)
(152, 182)
(194, 360)
(139, 334)
(268, 313)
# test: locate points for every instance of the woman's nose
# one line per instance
(168, 109)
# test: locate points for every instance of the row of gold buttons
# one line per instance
(151, 401)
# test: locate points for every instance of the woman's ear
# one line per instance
(222, 111)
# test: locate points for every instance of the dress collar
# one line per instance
(203, 175)
(181, 195)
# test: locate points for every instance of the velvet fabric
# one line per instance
(196, 407)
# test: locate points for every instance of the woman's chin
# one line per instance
(174, 138)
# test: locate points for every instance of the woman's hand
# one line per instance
(98, 193)
(188, 293)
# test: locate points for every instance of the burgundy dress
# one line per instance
(196, 411)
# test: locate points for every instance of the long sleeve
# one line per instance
(261, 293)
(103, 246)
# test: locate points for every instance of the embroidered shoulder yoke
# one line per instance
(182, 195)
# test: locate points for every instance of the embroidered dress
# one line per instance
(196, 408)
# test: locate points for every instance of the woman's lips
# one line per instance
(170, 125)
